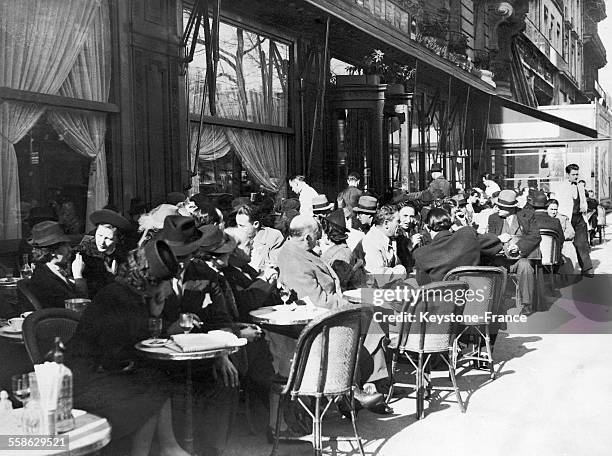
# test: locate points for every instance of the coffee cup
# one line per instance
(16, 324)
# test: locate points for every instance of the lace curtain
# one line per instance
(84, 131)
(39, 43)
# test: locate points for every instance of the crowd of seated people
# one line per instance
(220, 262)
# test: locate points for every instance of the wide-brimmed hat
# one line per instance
(337, 220)
(366, 205)
(175, 197)
(162, 264)
(181, 234)
(47, 233)
(320, 204)
(436, 168)
(539, 200)
(216, 241)
(40, 214)
(107, 216)
(507, 198)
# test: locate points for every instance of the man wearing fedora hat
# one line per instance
(364, 214)
(519, 233)
(106, 249)
(51, 281)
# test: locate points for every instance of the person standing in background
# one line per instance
(572, 200)
(305, 193)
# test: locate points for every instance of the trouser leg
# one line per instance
(581, 242)
(526, 279)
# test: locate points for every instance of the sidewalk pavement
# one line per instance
(552, 396)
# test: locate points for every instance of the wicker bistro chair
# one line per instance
(24, 288)
(488, 282)
(550, 248)
(42, 327)
(324, 367)
(421, 338)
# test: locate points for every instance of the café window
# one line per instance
(243, 147)
(52, 175)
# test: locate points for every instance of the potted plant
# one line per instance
(375, 70)
(367, 72)
(396, 77)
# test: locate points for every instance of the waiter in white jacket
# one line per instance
(573, 204)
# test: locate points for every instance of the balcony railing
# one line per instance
(394, 12)
(542, 43)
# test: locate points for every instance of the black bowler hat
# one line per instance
(539, 200)
(436, 168)
(107, 216)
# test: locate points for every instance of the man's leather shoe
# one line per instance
(588, 273)
(374, 402)
(527, 310)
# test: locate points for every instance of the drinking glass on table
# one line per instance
(186, 322)
(155, 327)
(284, 292)
(20, 385)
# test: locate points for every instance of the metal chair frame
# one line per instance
(320, 328)
(24, 287)
(425, 348)
(482, 330)
(45, 316)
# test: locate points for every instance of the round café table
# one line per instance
(10, 336)
(286, 315)
(168, 354)
(90, 434)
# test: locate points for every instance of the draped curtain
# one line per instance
(84, 131)
(39, 43)
(213, 145)
(263, 154)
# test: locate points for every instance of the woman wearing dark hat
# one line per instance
(105, 250)
(57, 275)
(337, 254)
(110, 379)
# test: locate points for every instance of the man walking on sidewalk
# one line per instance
(573, 204)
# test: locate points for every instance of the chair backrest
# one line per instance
(40, 329)
(429, 325)
(327, 352)
(550, 247)
(487, 283)
(24, 288)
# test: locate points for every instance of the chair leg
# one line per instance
(420, 414)
(277, 426)
(354, 422)
(247, 411)
(454, 380)
(392, 377)
(317, 442)
(487, 339)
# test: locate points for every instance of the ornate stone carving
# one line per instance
(506, 20)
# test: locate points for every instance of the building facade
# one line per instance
(133, 99)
